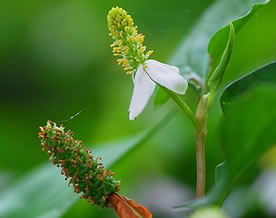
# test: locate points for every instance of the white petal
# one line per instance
(167, 76)
(143, 89)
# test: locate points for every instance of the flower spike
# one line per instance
(87, 175)
(128, 43)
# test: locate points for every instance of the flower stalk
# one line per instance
(200, 136)
(184, 107)
(203, 108)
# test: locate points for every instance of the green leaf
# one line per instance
(43, 192)
(192, 56)
(265, 74)
(221, 54)
(249, 127)
(248, 131)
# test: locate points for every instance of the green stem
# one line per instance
(183, 106)
(211, 97)
(200, 136)
(200, 159)
(200, 122)
(201, 115)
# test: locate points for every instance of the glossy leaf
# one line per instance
(192, 55)
(221, 51)
(248, 131)
(43, 192)
(250, 124)
(265, 74)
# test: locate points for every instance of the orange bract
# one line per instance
(128, 208)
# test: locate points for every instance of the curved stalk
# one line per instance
(182, 104)
(199, 120)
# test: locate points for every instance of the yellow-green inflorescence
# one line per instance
(128, 43)
(86, 174)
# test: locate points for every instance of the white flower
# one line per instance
(128, 46)
(144, 84)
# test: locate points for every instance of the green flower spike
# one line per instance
(87, 175)
(128, 43)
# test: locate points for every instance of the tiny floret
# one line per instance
(128, 43)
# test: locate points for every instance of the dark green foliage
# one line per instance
(264, 75)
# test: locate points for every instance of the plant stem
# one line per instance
(200, 136)
(199, 121)
(183, 106)
(200, 168)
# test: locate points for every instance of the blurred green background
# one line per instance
(55, 61)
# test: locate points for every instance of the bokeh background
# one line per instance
(55, 62)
